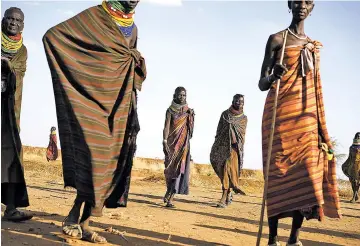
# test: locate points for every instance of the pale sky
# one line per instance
(215, 50)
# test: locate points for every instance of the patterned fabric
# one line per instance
(230, 174)
(11, 148)
(178, 160)
(231, 130)
(94, 74)
(15, 79)
(297, 163)
(351, 167)
(52, 149)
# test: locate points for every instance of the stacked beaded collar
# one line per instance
(117, 13)
(11, 44)
(356, 141)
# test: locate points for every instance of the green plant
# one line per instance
(339, 156)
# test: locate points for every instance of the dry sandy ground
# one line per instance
(194, 221)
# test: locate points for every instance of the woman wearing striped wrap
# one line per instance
(97, 72)
(351, 167)
(13, 67)
(227, 152)
(52, 149)
(302, 175)
(178, 130)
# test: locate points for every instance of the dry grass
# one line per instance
(35, 163)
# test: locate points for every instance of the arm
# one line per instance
(166, 134)
(133, 95)
(140, 66)
(166, 125)
(17, 70)
(191, 123)
(133, 99)
(134, 37)
(272, 47)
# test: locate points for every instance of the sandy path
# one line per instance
(145, 221)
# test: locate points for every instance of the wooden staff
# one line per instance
(270, 148)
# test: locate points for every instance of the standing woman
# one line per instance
(13, 67)
(351, 167)
(178, 130)
(302, 179)
(52, 149)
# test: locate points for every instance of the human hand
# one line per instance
(279, 70)
(5, 63)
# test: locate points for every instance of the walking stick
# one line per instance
(270, 148)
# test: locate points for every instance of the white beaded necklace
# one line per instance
(296, 35)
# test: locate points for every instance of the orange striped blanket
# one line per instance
(94, 72)
(300, 175)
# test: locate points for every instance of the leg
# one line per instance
(225, 186)
(10, 197)
(71, 225)
(357, 186)
(222, 202)
(167, 195)
(88, 234)
(273, 226)
(298, 219)
(11, 213)
(74, 214)
(353, 186)
(171, 198)
(229, 197)
(171, 194)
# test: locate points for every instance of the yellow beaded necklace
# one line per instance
(9, 45)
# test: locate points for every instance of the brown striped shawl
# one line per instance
(15, 83)
(180, 133)
(229, 124)
(11, 106)
(300, 176)
(94, 73)
(351, 167)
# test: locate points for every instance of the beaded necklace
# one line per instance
(356, 141)
(11, 44)
(303, 38)
(124, 21)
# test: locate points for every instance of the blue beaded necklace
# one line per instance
(127, 30)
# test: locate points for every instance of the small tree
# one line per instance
(339, 156)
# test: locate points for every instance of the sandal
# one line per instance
(298, 243)
(170, 205)
(221, 205)
(275, 244)
(93, 237)
(15, 215)
(72, 230)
